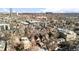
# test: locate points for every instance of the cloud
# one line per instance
(4, 9)
(61, 10)
(52, 10)
(38, 10)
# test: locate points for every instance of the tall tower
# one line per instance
(10, 12)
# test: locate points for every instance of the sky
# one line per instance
(41, 10)
(37, 6)
(40, 3)
(22, 10)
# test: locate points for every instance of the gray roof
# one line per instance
(3, 23)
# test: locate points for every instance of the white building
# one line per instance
(4, 26)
